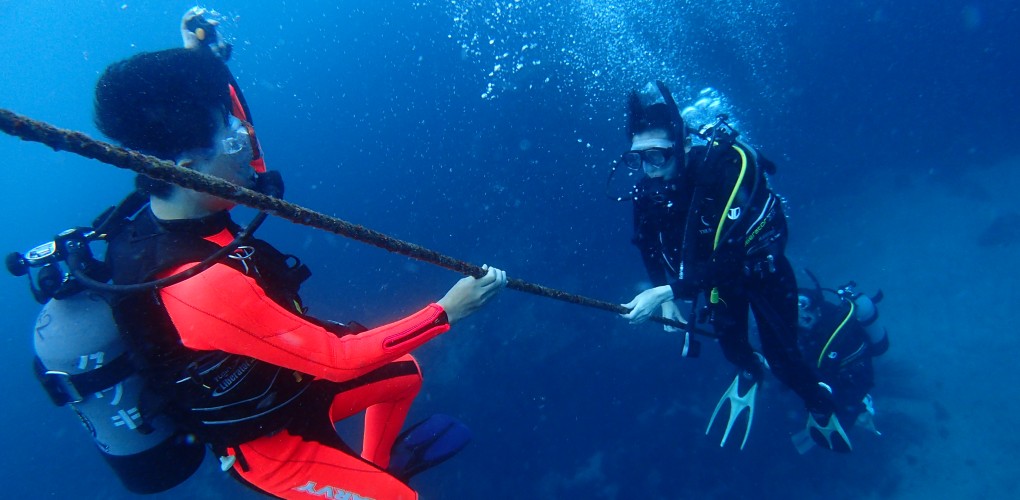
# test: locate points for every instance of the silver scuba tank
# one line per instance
(83, 361)
(867, 314)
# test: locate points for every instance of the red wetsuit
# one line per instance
(223, 309)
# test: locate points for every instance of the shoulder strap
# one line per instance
(142, 250)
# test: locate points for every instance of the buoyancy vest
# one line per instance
(837, 348)
(222, 398)
(718, 214)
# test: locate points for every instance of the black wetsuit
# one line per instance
(718, 229)
(840, 351)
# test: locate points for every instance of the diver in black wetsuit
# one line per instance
(706, 222)
(839, 335)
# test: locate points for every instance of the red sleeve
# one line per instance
(223, 309)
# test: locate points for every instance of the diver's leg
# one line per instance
(730, 321)
(730, 318)
(385, 396)
(774, 305)
(288, 465)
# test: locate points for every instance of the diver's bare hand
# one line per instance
(642, 306)
(469, 294)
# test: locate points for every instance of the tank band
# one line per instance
(65, 388)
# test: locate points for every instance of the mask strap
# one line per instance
(237, 109)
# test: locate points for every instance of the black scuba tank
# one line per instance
(83, 362)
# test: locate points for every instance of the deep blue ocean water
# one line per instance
(486, 129)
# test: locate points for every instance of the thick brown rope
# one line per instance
(76, 142)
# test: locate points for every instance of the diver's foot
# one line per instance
(427, 444)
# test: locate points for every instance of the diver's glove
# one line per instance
(824, 428)
(197, 31)
(270, 184)
(741, 394)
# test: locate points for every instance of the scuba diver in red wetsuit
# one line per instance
(228, 357)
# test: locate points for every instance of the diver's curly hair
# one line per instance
(163, 103)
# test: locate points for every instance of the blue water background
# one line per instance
(485, 130)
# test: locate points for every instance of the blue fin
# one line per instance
(426, 444)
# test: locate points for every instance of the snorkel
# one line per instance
(199, 31)
(677, 122)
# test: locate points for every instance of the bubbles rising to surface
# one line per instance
(604, 48)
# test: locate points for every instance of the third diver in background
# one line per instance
(839, 338)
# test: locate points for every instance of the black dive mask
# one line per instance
(656, 157)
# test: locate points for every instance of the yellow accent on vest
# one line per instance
(849, 315)
(733, 196)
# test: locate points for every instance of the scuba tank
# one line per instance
(83, 361)
(864, 307)
(865, 311)
(867, 315)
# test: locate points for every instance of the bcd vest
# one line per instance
(223, 398)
